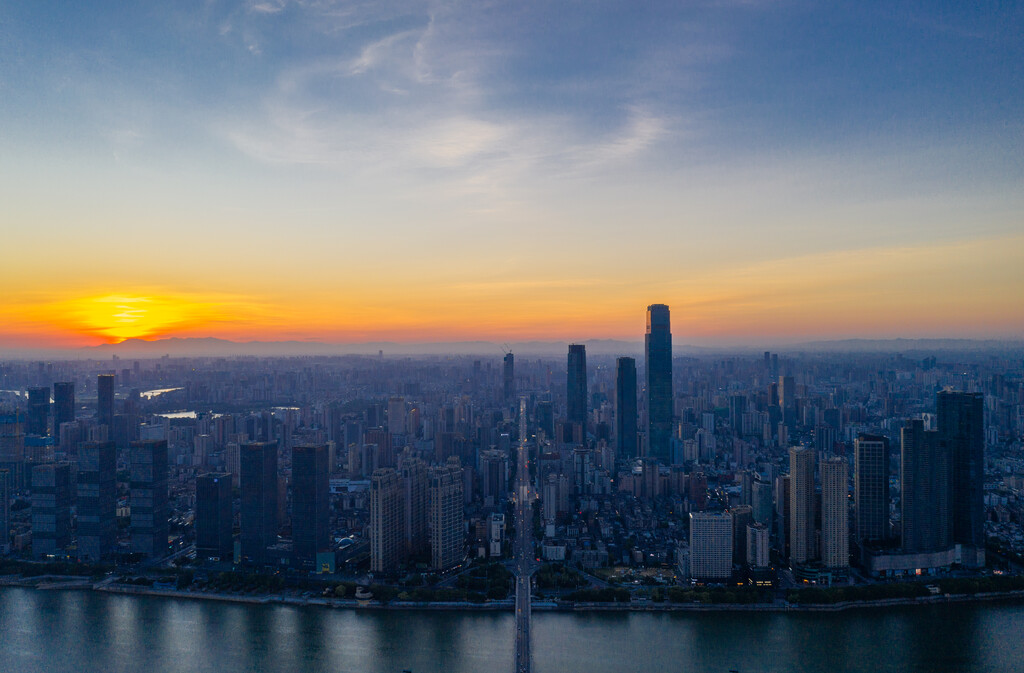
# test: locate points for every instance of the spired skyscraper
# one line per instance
(658, 351)
(625, 409)
(576, 386)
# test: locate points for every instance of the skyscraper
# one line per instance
(576, 385)
(871, 487)
(386, 544)
(447, 540)
(38, 410)
(259, 504)
(63, 405)
(311, 492)
(625, 409)
(150, 512)
(802, 547)
(509, 379)
(961, 425)
(97, 501)
(51, 509)
(835, 514)
(925, 520)
(105, 399)
(213, 516)
(658, 353)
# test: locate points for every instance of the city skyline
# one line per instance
(343, 173)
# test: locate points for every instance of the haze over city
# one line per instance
(777, 172)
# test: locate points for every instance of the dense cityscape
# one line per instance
(664, 481)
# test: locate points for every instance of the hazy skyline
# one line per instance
(441, 171)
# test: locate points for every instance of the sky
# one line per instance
(444, 171)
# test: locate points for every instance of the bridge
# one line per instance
(524, 563)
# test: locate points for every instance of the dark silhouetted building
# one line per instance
(576, 386)
(626, 440)
(213, 516)
(658, 353)
(310, 504)
(105, 399)
(38, 410)
(925, 520)
(961, 426)
(97, 501)
(415, 487)
(63, 405)
(509, 379)
(149, 507)
(871, 487)
(51, 509)
(259, 501)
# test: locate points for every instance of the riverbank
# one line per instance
(111, 587)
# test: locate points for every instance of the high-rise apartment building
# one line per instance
(871, 487)
(576, 386)
(311, 492)
(386, 521)
(925, 522)
(213, 516)
(758, 546)
(835, 514)
(150, 511)
(97, 501)
(802, 547)
(38, 410)
(447, 539)
(961, 426)
(51, 509)
(105, 400)
(711, 546)
(415, 507)
(658, 355)
(626, 421)
(259, 505)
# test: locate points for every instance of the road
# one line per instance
(524, 563)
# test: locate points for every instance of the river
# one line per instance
(90, 632)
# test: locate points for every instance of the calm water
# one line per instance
(88, 632)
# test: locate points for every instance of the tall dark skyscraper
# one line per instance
(576, 385)
(38, 410)
(925, 521)
(105, 399)
(625, 409)
(871, 487)
(51, 509)
(63, 405)
(961, 424)
(509, 378)
(150, 511)
(97, 501)
(658, 352)
(259, 501)
(213, 516)
(310, 504)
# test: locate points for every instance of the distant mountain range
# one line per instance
(214, 347)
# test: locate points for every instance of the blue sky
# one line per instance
(475, 143)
